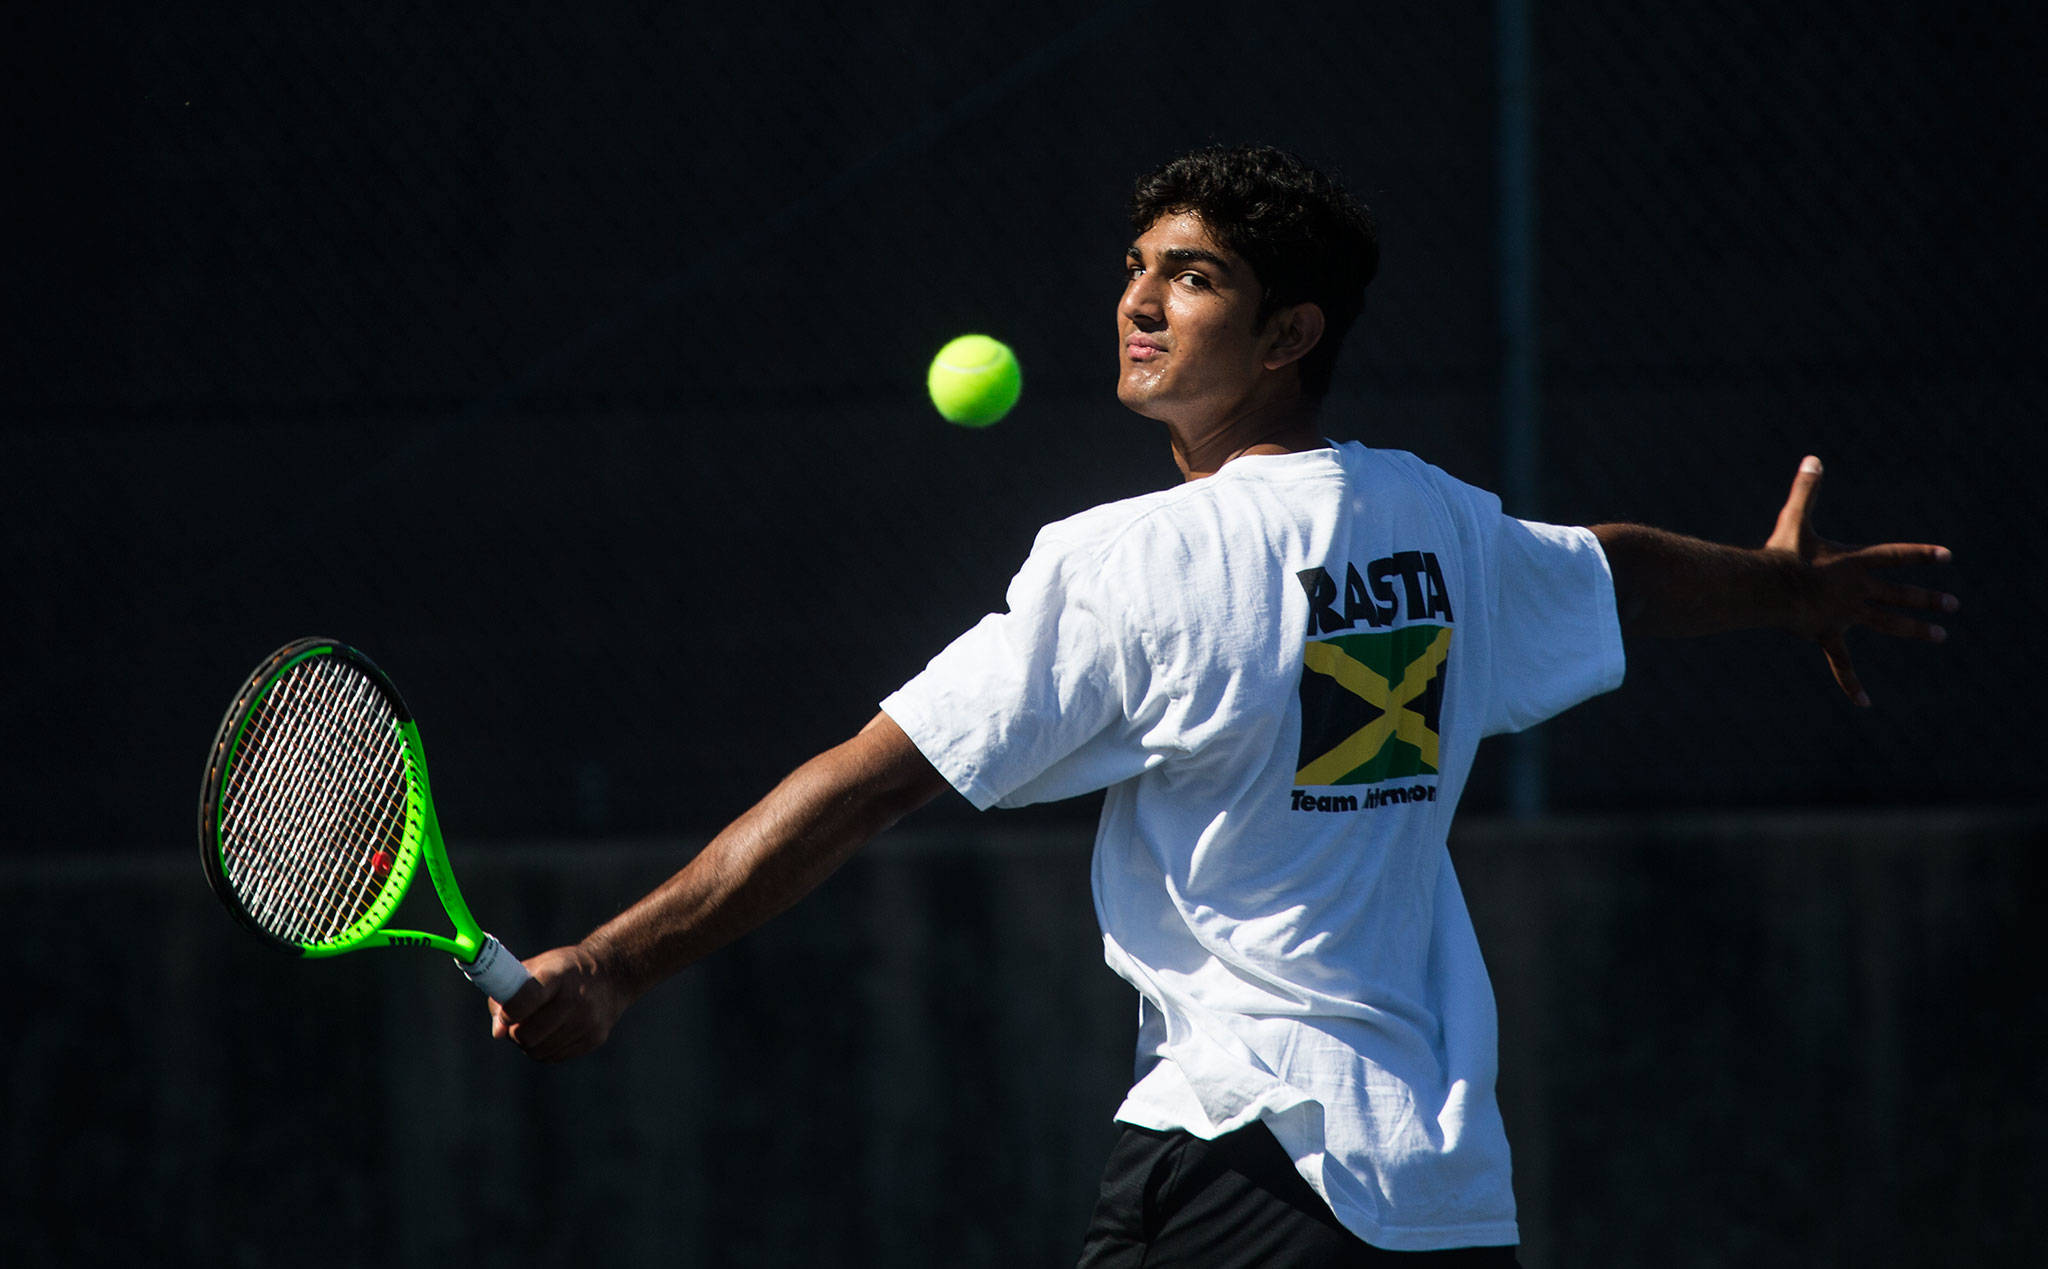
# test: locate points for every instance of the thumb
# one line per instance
(505, 1015)
(530, 997)
(1792, 529)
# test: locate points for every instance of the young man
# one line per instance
(1280, 670)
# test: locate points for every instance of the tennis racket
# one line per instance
(316, 812)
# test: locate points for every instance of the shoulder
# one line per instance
(1117, 530)
(1405, 468)
(1244, 490)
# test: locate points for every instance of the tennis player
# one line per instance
(1280, 670)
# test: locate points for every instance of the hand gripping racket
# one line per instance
(316, 812)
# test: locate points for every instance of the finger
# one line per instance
(1901, 554)
(566, 1042)
(1792, 517)
(563, 1047)
(1900, 595)
(1845, 672)
(537, 1030)
(1900, 626)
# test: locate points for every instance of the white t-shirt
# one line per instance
(1281, 674)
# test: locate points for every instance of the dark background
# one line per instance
(571, 363)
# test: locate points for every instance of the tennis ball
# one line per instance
(974, 380)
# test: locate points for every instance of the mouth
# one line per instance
(1143, 348)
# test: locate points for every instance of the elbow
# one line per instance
(893, 774)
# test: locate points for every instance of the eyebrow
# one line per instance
(1183, 255)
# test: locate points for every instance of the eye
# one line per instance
(1198, 281)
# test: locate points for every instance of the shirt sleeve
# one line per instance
(1556, 635)
(1039, 702)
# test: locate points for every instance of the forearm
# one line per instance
(768, 858)
(1667, 584)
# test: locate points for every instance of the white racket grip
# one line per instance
(495, 971)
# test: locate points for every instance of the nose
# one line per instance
(1141, 304)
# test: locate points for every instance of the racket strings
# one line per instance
(330, 887)
(308, 882)
(289, 814)
(328, 800)
(316, 790)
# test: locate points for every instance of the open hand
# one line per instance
(1846, 590)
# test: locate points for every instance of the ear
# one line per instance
(1294, 332)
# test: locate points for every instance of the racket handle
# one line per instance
(496, 972)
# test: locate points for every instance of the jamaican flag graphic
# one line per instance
(1370, 705)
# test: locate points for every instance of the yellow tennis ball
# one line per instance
(974, 380)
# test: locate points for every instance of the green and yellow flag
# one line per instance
(1370, 705)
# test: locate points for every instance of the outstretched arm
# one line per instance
(765, 861)
(1668, 584)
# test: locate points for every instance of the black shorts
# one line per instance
(1170, 1198)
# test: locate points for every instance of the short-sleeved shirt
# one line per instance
(1281, 674)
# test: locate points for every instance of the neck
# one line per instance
(1277, 427)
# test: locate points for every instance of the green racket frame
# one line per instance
(479, 955)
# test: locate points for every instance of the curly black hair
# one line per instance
(1303, 235)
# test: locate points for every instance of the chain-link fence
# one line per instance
(572, 365)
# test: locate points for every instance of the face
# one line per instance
(1189, 348)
